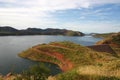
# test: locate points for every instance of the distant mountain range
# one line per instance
(7, 30)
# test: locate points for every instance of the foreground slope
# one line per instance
(77, 62)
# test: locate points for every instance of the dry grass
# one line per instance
(98, 71)
(88, 64)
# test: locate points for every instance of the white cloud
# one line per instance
(55, 4)
(105, 1)
(65, 4)
(92, 26)
(59, 4)
(24, 17)
(21, 22)
(36, 12)
(8, 1)
(22, 11)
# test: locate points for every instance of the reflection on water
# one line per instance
(10, 46)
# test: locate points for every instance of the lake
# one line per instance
(10, 46)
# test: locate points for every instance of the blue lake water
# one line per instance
(10, 46)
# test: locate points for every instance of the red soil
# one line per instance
(65, 63)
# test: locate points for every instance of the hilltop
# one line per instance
(101, 35)
(7, 30)
(76, 61)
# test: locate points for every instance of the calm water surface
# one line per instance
(10, 46)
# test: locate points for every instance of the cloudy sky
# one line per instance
(81, 15)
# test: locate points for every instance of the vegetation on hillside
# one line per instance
(116, 38)
(77, 62)
(104, 35)
(112, 40)
(35, 72)
(7, 30)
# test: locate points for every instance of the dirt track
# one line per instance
(65, 63)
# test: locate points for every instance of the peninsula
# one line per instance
(76, 61)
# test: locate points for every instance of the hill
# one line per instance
(76, 61)
(104, 35)
(113, 40)
(7, 30)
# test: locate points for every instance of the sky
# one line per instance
(101, 16)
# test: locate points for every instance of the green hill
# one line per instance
(76, 61)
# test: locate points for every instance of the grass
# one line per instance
(107, 71)
(38, 56)
(104, 35)
(88, 73)
(113, 40)
(88, 64)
